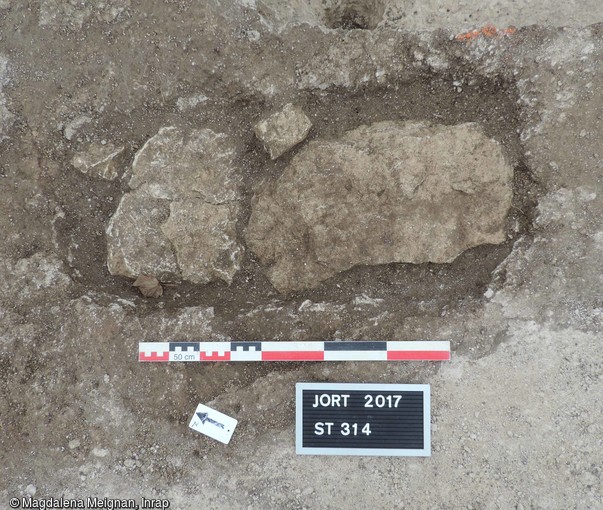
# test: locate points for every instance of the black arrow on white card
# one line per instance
(204, 417)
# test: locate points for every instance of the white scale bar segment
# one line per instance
(241, 355)
(419, 345)
(150, 347)
(214, 347)
(355, 355)
(292, 346)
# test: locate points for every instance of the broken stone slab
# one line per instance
(99, 161)
(176, 164)
(196, 227)
(179, 220)
(283, 130)
(135, 243)
(389, 192)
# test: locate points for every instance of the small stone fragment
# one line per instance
(100, 452)
(73, 127)
(7, 119)
(190, 102)
(99, 161)
(283, 130)
(74, 443)
(389, 192)
(148, 286)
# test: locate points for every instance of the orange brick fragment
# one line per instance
(488, 30)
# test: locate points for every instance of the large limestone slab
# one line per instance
(389, 192)
(179, 219)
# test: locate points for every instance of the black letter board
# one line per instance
(363, 419)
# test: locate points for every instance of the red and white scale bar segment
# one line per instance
(433, 350)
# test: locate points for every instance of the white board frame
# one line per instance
(381, 452)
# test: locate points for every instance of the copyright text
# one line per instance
(88, 503)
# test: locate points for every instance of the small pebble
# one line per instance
(100, 452)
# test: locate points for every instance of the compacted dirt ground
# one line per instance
(516, 413)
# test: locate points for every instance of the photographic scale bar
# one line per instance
(431, 350)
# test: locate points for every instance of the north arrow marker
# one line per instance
(223, 425)
(204, 417)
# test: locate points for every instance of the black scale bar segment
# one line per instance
(184, 346)
(355, 346)
(245, 346)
